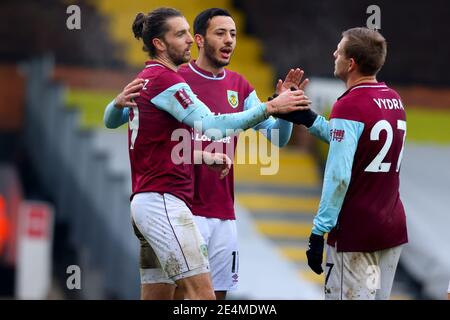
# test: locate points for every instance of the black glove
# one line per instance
(315, 253)
(304, 117)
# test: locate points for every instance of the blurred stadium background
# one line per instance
(64, 178)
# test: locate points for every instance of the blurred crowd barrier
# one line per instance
(88, 197)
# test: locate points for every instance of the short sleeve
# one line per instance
(179, 101)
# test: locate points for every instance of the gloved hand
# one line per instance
(304, 117)
(315, 253)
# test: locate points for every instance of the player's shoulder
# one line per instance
(347, 107)
(184, 69)
(233, 75)
(238, 81)
(366, 94)
(151, 69)
(158, 78)
(394, 93)
(154, 70)
(353, 103)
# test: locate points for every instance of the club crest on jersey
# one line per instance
(337, 135)
(183, 98)
(233, 98)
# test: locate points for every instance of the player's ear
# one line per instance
(352, 65)
(199, 40)
(159, 44)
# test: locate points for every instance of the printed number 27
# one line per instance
(377, 164)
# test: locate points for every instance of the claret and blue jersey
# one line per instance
(360, 206)
(175, 96)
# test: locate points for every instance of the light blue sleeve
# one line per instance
(344, 137)
(320, 129)
(197, 115)
(276, 131)
(113, 117)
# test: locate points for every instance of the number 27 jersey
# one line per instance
(372, 216)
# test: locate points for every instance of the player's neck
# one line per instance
(166, 62)
(203, 63)
(355, 80)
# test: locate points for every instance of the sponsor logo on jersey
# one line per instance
(199, 137)
(183, 98)
(337, 135)
(233, 98)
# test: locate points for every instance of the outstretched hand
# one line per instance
(293, 80)
(288, 101)
(131, 91)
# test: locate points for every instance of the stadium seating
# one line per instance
(246, 60)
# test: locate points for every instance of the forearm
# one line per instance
(338, 171)
(114, 117)
(304, 117)
(284, 129)
(276, 131)
(196, 114)
(317, 125)
(320, 129)
(219, 126)
(335, 187)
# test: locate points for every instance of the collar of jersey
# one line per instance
(151, 63)
(377, 85)
(206, 74)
